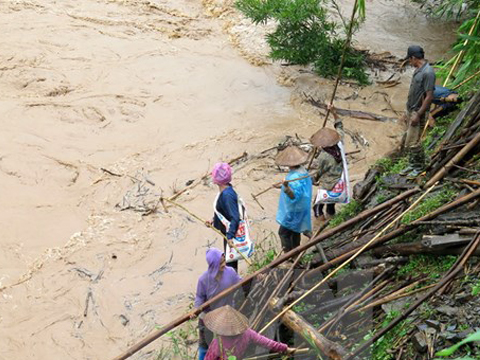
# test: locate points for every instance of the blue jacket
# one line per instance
(227, 205)
(294, 214)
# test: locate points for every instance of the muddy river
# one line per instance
(161, 89)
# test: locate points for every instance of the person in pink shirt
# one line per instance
(234, 337)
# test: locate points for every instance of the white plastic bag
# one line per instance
(341, 191)
(242, 240)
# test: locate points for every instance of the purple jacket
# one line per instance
(208, 286)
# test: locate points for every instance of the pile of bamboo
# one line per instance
(333, 299)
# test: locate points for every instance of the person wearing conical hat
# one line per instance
(234, 337)
(217, 278)
(328, 163)
(293, 212)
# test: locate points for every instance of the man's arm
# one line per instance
(429, 87)
(427, 101)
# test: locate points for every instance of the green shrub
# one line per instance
(304, 35)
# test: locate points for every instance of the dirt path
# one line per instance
(156, 87)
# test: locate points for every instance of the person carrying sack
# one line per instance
(332, 170)
(230, 216)
(293, 212)
(234, 337)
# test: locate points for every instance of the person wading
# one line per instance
(217, 278)
(420, 97)
(234, 337)
(226, 205)
(293, 212)
(328, 164)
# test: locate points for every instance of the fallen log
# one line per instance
(300, 326)
(419, 248)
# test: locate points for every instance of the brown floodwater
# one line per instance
(164, 88)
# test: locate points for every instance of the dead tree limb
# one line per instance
(300, 326)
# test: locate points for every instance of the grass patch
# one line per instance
(430, 204)
(388, 166)
(381, 349)
(346, 212)
(441, 126)
(432, 265)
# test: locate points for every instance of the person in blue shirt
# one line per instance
(295, 201)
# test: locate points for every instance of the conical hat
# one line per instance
(291, 156)
(226, 321)
(325, 138)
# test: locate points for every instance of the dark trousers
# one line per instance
(318, 209)
(233, 264)
(205, 336)
(290, 239)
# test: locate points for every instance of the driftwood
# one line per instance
(300, 326)
(364, 115)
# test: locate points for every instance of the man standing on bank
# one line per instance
(420, 97)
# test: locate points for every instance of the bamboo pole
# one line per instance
(269, 356)
(274, 293)
(342, 61)
(460, 55)
(459, 156)
(466, 80)
(446, 280)
(403, 229)
(354, 256)
(195, 312)
(230, 243)
(273, 186)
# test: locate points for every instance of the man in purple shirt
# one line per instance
(217, 278)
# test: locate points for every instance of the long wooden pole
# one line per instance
(342, 61)
(348, 261)
(229, 242)
(195, 312)
(459, 156)
(466, 80)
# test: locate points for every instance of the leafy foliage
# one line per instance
(467, 11)
(304, 35)
(449, 351)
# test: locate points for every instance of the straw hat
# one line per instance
(325, 138)
(226, 321)
(291, 156)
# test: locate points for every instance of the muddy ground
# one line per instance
(157, 88)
